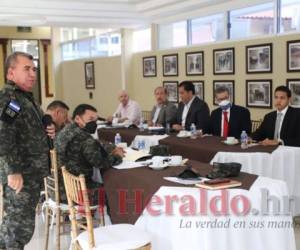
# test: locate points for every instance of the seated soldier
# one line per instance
(80, 153)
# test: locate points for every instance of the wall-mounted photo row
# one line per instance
(172, 90)
(194, 62)
(293, 56)
(199, 89)
(259, 93)
(223, 60)
(170, 65)
(149, 66)
(89, 73)
(294, 86)
(229, 84)
(259, 58)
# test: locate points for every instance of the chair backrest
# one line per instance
(146, 115)
(77, 195)
(52, 182)
(255, 124)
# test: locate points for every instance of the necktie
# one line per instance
(277, 126)
(225, 124)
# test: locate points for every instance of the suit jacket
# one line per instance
(239, 120)
(167, 113)
(197, 114)
(290, 128)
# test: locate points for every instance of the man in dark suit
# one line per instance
(228, 119)
(191, 109)
(164, 111)
(281, 126)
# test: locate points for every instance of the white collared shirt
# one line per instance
(132, 111)
(222, 119)
(283, 112)
(157, 110)
(185, 111)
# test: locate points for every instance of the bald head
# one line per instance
(123, 97)
(160, 94)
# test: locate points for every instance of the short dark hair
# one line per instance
(12, 59)
(285, 89)
(221, 89)
(81, 108)
(57, 104)
(188, 86)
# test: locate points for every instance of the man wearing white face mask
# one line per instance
(228, 119)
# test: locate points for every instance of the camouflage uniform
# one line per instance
(79, 152)
(23, 149)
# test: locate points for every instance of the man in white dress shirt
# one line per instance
(127, 110)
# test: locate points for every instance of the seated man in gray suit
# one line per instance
(163, 112)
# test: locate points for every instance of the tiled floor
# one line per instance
(37, 241)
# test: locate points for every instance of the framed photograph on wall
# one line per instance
(172, 90)
(259, 58)
(294, 86)
(149, 66)
(199, 89)
(229, 84)
(259, 93)
(293, 56)
(89, 73)
(194, 63)
(223, 60)
(170, 65)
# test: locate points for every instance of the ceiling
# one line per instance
(96, 13)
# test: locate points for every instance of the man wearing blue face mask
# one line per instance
(228, 119)
(79, 152)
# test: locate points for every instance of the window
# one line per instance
(142, 40)
(102, 45)
(207, 29)
(173, 35)
(290, 15)
(252, 21)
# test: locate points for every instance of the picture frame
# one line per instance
(89, 72)
(229, 84)
(149, 66)
(223, 61)
(199, 89)
(194, 63)
(259, 93)
(294, 86)
(170, 65)
(259, 58)
(293, 56)
(172, 90)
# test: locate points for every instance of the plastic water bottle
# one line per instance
(118, 139)
(168, 128)
(193, 131)
(141, 126)
(244, 140)
(141, 144)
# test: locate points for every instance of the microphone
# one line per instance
(47, 121)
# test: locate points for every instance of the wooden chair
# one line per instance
(58, 211)
(119, 236)
(255, 124)
(146, 115)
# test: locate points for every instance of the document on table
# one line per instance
(183, 181)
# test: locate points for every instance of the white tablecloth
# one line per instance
(282, 164)
(150, 140)
(182, 232)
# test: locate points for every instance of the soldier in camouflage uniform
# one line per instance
(79, 152)
(24, 151)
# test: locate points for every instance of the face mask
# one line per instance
(91, 127)
(225, 104)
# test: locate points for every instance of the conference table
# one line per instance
(277, 162)
(184, 216)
